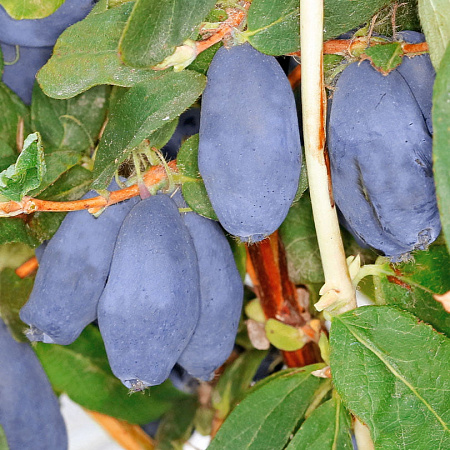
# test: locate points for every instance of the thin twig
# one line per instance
(348, 46)
(29, 205)
(27, 268)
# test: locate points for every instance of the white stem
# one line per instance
(337, 278)
(362, 436)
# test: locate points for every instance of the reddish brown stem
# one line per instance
(267, 269)
(295, 77)
(347, 46)
(27, 268)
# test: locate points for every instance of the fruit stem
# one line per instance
(372, 270)
(338, 288)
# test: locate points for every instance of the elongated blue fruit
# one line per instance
(249, 151)
(419, 75)
(72, 274)
(380, 153)
(29, 410)
(151, 302)
(221, 292)
(42, 32)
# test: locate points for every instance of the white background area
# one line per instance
(86, 434)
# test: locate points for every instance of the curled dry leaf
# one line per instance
(322, 373)
(257, 334)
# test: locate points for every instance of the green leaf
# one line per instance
(302, 250)
(141, 111)
(28, 171)
(327, 428)
(11, 112)
(42, 225)
(344, 15)
(13, 255)
(72, 185)
(14, 292)
(441, 138)
(283, 336)
(194, 191)
(30, 9)
(15, 230)
(407, 18)
(57, 163)
(203, 420)
(268, 415)
(202, 62)
(86, 55)
(303, 182)
(240, 255)
(3, 442)
(161, 136)
(392, 372)
(235, 381)
(254, 311)
(414, 283)
(81, 370)
(435, 20)
(155, 28)
(385, 58)
(177, 424)
(273, 26)
(7, 155)
(72, 124)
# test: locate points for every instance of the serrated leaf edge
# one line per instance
(377, 353)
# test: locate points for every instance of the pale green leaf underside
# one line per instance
(441, 139)
(435, 21)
